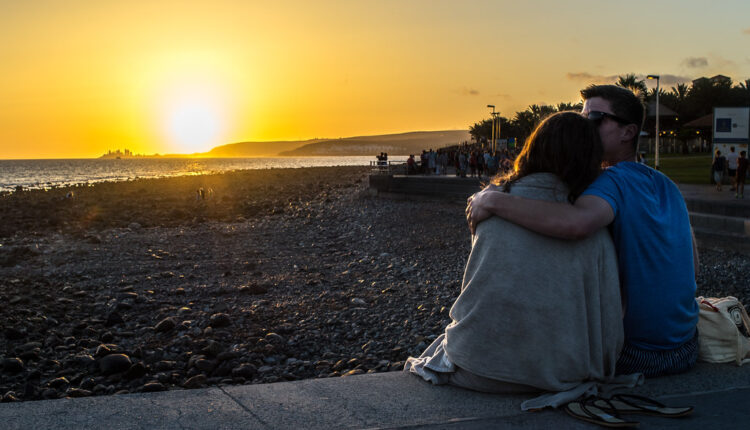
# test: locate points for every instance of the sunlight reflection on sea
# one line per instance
(42, 174)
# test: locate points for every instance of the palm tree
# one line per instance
(680, 92)
(525, 122)
(743, 90)
(539, 112)
(651, 95)
(631, 82)
(568, 106)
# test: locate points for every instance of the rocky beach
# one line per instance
(236, 278)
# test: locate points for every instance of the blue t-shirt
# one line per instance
(651, 232)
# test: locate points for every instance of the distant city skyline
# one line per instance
(82, 77)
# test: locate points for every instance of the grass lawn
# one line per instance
(684, 169)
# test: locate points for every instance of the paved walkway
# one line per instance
(719, 393)
(709, 193)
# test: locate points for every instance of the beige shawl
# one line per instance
(535, 310)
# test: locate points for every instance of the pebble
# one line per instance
(102, 350)
(196, 381)
(58, 382)
(12, 365)
(165, 325)
(245, 370)
(10, 396)
(254, 289)
(205, 365)
(151, 387)
(77, 392)
(136, 371)
(113, 318)
(12, 333)
(219, 320)
(114, 363)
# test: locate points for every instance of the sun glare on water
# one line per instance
(194, 126)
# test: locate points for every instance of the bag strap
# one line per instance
(710, 305)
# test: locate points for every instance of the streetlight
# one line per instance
(656, 157)
(493, 127)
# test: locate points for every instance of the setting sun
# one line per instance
(194, 127)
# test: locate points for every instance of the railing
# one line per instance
(388, 167)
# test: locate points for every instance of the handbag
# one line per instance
(723, 331)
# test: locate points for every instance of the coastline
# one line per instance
(283, 274)
(168, 201)
(55, 173)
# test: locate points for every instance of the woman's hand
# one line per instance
(477, 206)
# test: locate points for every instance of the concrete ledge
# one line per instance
(720, 394)
(727, 208)
(728, 224)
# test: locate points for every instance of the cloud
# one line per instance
(469, 92)
(588, 77)
(503, 96)
(746, 31)
(695, 62)
(664, 79)
(673, 79)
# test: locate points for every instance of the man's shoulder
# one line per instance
(632, 178)
(628, 171)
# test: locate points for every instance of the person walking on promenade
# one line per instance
(650, 227)
(411, 165)
(732, 167)
(473, 163)
(718, 167)
(463, 163)
(740, 175)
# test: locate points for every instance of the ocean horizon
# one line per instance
(52, 173)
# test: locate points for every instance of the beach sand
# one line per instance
(279, 275)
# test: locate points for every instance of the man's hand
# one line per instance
(477, 206)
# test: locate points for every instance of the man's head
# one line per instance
(731, 149)
(620, 115)
(743, 154)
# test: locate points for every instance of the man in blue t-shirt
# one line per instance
(650, 228)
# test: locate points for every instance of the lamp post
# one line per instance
(656, 157)
(493, 127)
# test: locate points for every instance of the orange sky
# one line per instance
(81, 77)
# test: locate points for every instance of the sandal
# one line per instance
(586, 410)
(634, 404)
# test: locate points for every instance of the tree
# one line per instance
(568, 106)
(481, 130)
(631, 82)
(680, 92)
(742, 91)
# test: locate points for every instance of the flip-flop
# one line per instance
(634, 404)
(586, 411)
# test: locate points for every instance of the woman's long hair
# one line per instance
(566, 144)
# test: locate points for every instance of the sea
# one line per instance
(46, 174)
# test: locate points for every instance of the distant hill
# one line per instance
(255, 149)
(393, 144)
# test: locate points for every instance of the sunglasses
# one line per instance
(597, 116)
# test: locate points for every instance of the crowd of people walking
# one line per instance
(466, 160)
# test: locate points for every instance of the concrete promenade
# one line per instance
(720, 394)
